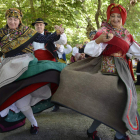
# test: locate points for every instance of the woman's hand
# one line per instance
(104, 38)
(82, 56)
(58, 46)
(59, 29)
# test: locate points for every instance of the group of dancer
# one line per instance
(104, 90)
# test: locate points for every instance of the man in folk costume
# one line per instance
(46, 51)
(108, 94)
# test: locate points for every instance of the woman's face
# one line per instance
(13, 22)
(116, 20)
(92, 36)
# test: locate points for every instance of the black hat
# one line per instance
(39, 20)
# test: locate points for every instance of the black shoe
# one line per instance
(34, 130)
(93, 135)
(55, 108)
(125, 138)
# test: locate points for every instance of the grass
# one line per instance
(138, 91)
(138, 97)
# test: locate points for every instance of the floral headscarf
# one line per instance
(116, 8)
(14, 12)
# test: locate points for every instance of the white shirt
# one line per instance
(62, 50)
(62, 40)
(93, 49)
(38, 46)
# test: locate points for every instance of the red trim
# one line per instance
(131, 125)
(131, 68)
(25, 91)
(10, 128)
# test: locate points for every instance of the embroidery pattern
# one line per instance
(108, 65)
(123, 33)
(17, 38)
(128, 117)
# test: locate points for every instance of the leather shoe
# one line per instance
(93, 135)
(34, 130)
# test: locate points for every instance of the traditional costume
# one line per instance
(102, 87)
(25, 82)
(76, 53)
(47, 51)
(62, 51)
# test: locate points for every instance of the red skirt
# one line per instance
(44, 55)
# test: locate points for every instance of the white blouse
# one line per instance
(75, 50)
(93, 49)
(62, 50)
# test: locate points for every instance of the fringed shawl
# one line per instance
(13, 39)
(121, 41)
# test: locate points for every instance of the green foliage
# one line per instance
(77, 16)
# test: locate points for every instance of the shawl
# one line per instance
(18, 40)
(121, 41)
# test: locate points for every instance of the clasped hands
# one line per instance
(59, 29)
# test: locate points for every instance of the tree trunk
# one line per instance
(112, 1)
(32, 9)
(98, 13)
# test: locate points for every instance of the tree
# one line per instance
(78, 17)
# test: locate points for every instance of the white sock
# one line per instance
(30, 116)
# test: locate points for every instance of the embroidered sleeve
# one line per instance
(45, 39)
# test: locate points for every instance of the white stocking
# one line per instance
(29, 115)
(24, 105)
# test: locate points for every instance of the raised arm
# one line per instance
(95, 48)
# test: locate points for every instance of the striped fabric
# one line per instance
(13, 67)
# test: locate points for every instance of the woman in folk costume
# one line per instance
(108, 94)
(62, 51)
(78, 51)
(25, 82)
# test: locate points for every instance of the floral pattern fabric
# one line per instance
(12, 39)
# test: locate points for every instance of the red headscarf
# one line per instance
(116, 8)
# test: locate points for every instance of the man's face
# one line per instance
(39, 27)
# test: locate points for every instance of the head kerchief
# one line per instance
(116, 8)
(14, 12)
